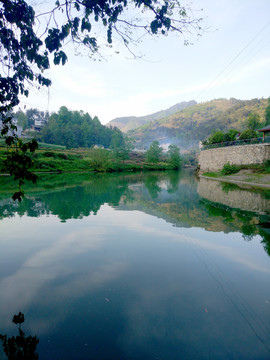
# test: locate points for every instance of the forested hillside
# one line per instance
(187, 127)
(72, 129)
(132, 122)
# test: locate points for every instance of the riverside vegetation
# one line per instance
(100, 160)
(257, 173)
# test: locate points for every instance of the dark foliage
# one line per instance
(20, 347)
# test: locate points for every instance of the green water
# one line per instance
(140, 266)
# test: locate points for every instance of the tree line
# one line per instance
(72, 129)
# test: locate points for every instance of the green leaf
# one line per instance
(85, 25)
(154, 26)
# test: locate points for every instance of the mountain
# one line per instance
(193, 124)
(132, 122)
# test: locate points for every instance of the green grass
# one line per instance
(257, 170)
(51, 146)
(212, 174)
(40, 145)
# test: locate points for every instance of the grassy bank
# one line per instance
(253, 175)
(229, 170)
(87, 160)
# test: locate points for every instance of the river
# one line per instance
(137, 266)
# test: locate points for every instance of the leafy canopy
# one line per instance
(77, 129)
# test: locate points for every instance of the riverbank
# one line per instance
(245, 177)
(89, 160)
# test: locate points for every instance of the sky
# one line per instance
(230, 59)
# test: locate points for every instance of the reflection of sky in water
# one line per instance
(134, 284)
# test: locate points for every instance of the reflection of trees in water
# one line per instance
(78, 195)
(169, 195)
(264, 231)
(80, 201)
(249, 224)
(174, 178)
(29, 206)
(151, 182)
(20, 347)
(70, 201)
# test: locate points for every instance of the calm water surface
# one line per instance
(145, 266)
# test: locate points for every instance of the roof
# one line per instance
(265, 129)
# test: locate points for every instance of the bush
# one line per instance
(231, 135)
(248, 134)
(217, 137)
(267, 166)
(229, 169)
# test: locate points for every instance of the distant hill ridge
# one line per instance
(128, 123)
(194, 123)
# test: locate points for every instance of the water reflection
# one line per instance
(234, 196)
(20, 347)
(118, 281)
(176, 197)
(76, 199)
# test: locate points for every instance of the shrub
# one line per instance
(231, 135)
(217, 137)
(229, 169)
(267, 166)
(248, 134)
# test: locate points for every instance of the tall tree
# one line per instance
(154, 152)
(174, 156)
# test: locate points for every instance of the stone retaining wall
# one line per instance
(214, 159)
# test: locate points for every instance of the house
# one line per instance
(39, 124)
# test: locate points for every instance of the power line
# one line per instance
(234, 59)
(240, 65)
